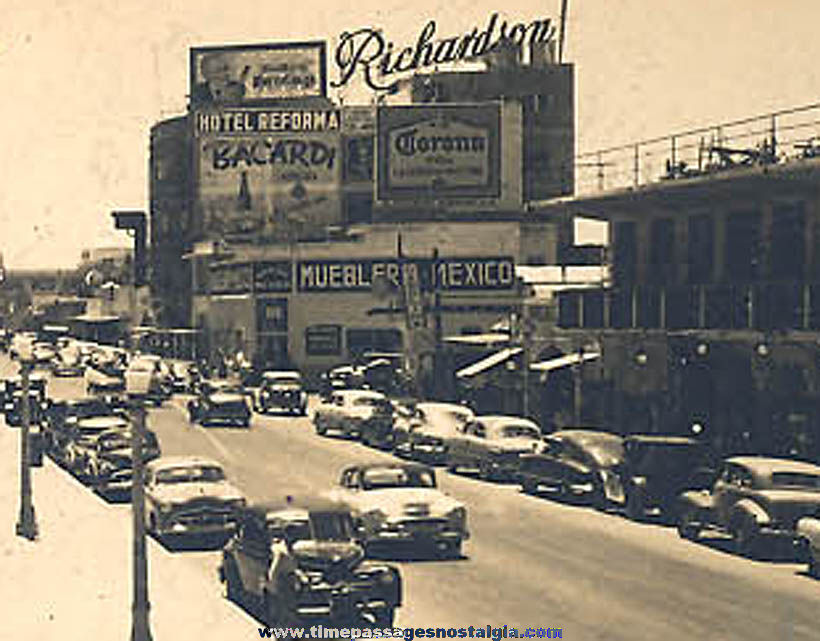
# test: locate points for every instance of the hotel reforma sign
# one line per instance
(429, 152)
(263, 171)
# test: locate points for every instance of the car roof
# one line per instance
(364, 467)
(497, 420)
(660, 439)
(168, 462)
(765, 465)
(294, 505)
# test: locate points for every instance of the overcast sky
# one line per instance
(85, 80)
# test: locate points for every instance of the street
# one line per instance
(531, 562)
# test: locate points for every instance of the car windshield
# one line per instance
(90, 409)
(372, 401)
(331, 526)
(386, 477)
(191, 474)
(796, 479)
(663, 456)
(520, 431)
(292, 530)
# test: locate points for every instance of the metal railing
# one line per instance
(773, 138)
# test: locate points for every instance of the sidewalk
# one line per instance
(74, 582)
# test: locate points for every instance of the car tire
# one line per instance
(319, 423)
(814, 566)
(452, 550)
(384, 617)
(635, 507)
(746, 538)
(485, 472)
(528, 486)
(687, 524)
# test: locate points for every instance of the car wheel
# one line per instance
(485, 471)
(687, 524)
(598, 498)
(452, 466)
(814, 566)
(450, 550)
(746, 536)
(384, 617)
(635, 508)
(321, 426)
(529, 486)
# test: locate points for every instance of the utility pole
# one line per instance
(27, 522)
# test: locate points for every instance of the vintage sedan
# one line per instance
(62, 418)
(352, 412)
(425, 434)
(576, 462)
(82, 438)
(109, 466)
(282, 391)
(400, 503)
(220, 401)
(757, 500)
(189, 496)
(493, 445)
(298, 559)
(656, 469)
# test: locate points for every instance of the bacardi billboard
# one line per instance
(439, 152)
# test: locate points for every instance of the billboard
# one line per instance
(265, 174)
(253, 73)
(430, 152)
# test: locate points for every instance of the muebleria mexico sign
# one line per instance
(438, 151)
(367, 50)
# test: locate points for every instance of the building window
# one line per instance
(788, 241)
(625, 253)
(323, 340)
(364, 340)
(358, 208)
(662, 250)
(743, 259)
(272, 315)
(701, 248)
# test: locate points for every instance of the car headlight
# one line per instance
(457, 515)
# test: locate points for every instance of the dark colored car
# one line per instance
(63, 416)
(757, 500)
(220, 401)
(576, 462)
(656, 469)
(299, 560)
(282, 391)
(109, 466)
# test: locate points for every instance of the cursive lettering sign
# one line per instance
(367, 49)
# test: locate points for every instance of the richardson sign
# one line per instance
(366, 50)
(248, 73)
(441, 151)
(261, 172)
(445, 274)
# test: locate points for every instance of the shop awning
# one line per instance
(564, 361)
(488, 363)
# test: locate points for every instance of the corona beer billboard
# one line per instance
(256, 73)
(439, 151)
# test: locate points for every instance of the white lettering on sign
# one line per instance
(257, 121)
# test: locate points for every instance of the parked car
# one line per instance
(62, 416)
(220, 400)
(67, 362)
(492, 445)
(400, 503)
(757, 500)
(425, 434)
(299, 560)
(183, 377)
(339, 378)
(808, 541)
(82, 438)
(576, 462)
(148, 372)
(189, 496)
(104, 376)
(282, 390)
(353, 413)
(13, 399)
(109, 466)
(656, 469)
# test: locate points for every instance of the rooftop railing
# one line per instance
(773, 138)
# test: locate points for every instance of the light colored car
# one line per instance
(755, 499)
(395, 503)
(189, 496)
(492, 445)
(425, 435)
(282, 390)
(348, 413)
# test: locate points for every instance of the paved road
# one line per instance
(531, 561)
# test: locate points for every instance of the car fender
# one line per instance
(746, 508)
(701, 501)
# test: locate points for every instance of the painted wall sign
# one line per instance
(323, 340)
(254, 185)
(449, 274)
(272, 276)
(367, 50)
(231, 278)
(441, 151)
(254, 73)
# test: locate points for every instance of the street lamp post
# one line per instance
(27, 520)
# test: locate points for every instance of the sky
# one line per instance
(86, 79)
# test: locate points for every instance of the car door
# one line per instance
(546, 464)
(475, 442)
